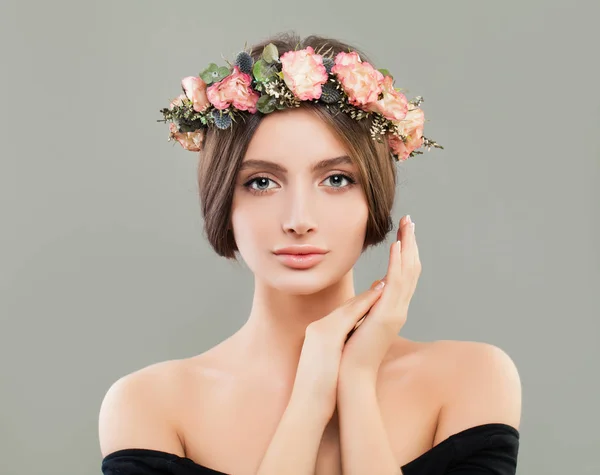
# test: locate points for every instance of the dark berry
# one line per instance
(222, 121)
(244, 62)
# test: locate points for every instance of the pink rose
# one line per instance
(398, 147)
(304, 73)
(347, 59)
(235, 89)
(411, 127)
(191, 141)
(361, 81)
(393, 105)
(178, 101)
(195, 90)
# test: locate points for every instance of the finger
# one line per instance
(413, 250)
(374, 284)
(353, 310)
(394, 262)
(409, 251)
(394, 273)
(394, 276)
(355, 327)
(411, 266)
(394, 258)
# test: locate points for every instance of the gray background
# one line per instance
(103, 266)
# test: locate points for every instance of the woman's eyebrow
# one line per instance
(276, 167)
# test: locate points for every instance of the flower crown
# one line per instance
(220, 95)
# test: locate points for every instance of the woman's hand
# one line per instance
(366, 348)
(317, 374)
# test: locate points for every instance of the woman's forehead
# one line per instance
(294, 135)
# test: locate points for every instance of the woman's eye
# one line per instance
(336, 179)
(262, 182)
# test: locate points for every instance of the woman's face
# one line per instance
(284, 202)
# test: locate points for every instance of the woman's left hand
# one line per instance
(365, 349)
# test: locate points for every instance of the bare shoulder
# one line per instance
(480, 384)
(138, 410)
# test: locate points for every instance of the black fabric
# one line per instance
(488, 449)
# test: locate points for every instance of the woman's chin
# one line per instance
(301, 285)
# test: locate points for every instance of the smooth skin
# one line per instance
(367, 347)
(285, 387)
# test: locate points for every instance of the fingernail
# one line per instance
(408, 218)
(380, 285)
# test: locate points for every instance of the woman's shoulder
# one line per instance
(479, 384)
(155, 380)
(464, 349)
(462, 361)
(457, 364)
(137, 409)
(456, 355)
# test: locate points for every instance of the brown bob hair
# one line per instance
(224, 150)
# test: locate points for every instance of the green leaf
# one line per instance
(266, 104)
(263, 72)
(270, 53)
(208, 75)
(271, 71)
(263, 100)
(223, 72)
(210, 68)
(385, 72)
(257, 70)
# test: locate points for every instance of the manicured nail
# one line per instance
(408, 218)
(380, 285)
(399, 245)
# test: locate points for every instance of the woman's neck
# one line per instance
(270, 342)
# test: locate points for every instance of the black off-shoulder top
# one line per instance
(487, 449)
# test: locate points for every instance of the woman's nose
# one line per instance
(299, 213)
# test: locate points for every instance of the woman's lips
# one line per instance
(300, 261)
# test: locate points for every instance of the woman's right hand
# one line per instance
(319, 364)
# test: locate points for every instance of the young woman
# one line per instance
(293, 177)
